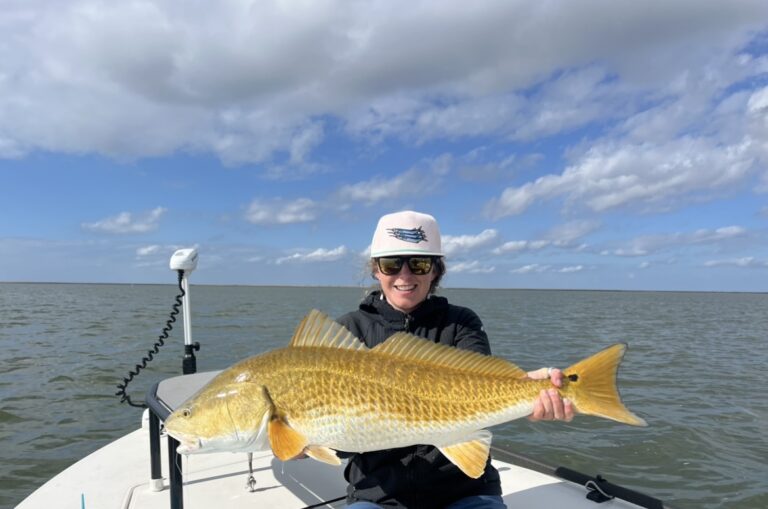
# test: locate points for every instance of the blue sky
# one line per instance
(578, 145)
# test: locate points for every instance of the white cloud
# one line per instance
(453, 244)
(536, 268)
(634, 251)
(649, 244)
(649, 176)
(567, 234)
(11, 149)
(126, 223)
(517, 246)
(531, 268)
(564, 236)
(148, 250)
(279, 211)
(574, 99)
(758, 101)
(159, 77)
(473, 267)
(479, 166)
(744, 262)
(304, 142)
(318, 255)
(697, 140)
(415, 182)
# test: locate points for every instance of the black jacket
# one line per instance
(419, 476)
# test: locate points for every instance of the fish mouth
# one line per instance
(228, 444)
(189, 446)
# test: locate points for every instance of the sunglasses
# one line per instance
(391, 265)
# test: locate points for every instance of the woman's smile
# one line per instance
(405, 291)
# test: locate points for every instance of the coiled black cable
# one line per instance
(124, 397)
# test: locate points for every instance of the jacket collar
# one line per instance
(375, 303)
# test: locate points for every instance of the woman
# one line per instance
(407, 260)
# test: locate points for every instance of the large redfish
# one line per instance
(328, 392)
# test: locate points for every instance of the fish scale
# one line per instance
(434, 396)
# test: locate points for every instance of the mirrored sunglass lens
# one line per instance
(390, 266)
(420, 266)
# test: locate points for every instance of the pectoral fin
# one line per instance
(470, 456)
(286, 442)
(323, 454)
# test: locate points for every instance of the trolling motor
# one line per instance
(185, 261)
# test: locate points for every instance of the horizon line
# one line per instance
(374, 287)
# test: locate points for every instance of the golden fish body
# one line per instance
(326, 391)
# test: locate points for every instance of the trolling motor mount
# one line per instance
(184, 261)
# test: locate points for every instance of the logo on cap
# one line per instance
(413, 235)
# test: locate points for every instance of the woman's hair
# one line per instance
(438, 268)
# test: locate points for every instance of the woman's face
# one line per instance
(405, 290)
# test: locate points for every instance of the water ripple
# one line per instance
(694, 371)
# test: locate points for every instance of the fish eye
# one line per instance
(186, 412)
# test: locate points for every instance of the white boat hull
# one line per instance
(117, 477)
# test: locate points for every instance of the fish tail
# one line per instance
(591, 385)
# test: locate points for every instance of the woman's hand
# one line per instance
(550, 406)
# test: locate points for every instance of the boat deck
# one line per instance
(117, 477)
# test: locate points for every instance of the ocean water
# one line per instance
(695, 370)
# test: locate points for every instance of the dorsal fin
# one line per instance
(414, 348)
(317, 329)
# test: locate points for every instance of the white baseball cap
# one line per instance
(406, 233)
